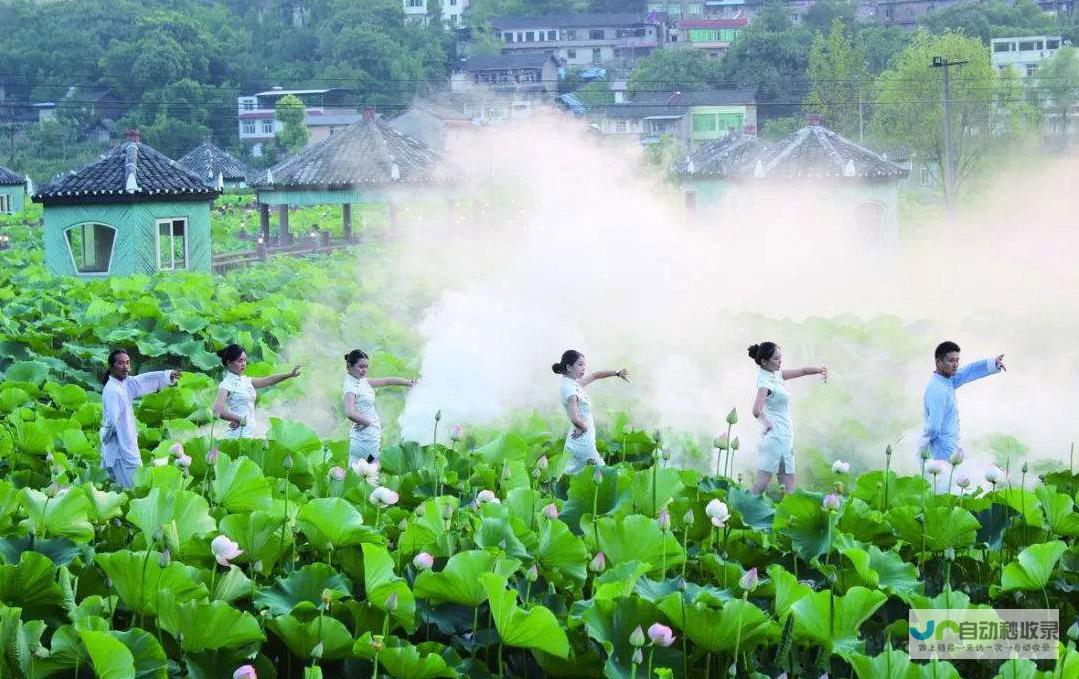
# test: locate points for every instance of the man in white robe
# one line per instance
(119, 433)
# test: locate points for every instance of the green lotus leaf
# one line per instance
(944, 527)
(104, 505)
(306, 584)
(381, 583)
(895, 664)
(32, 438)
(611, 622)
(61, 516)
(619, 581)
(427, 532)
(403, 660)
(188, 512)
(167, 404)
(138, 579)
(634, 538)
(232, 585)
(69, 396)
(13, 398)
(902, 490)
(110, 658)
(207, 626)
(33, 372)
(260, 536)
(1021, 668)
(537, 628)
(834, 622)
(562, 556)
(525, 504)
(59, 550)
(611, 492)
(31, 585)
(668, 485)
(459, 582)
(801, 519)
(333, 523)
(1033, 568)
(739, 623)
(750, 510)
(1061, 517)
(883, 570)
(498, 533)
(302, 637)
(293, 436)
(239, 485)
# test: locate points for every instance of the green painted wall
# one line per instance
(707, 123)
(323, 197)
(135, 243)
(18, 197)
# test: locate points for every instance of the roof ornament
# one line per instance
(131, 168)
(219, 183)
(691, 167)
(849, 169)
(758, 170)
(395, 171)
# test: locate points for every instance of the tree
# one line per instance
(821, 15)
(993, 19)
(1058, 81)
(881, 44)
(596, 94)
(673, 69)
(986, 112)
(839, 80)
(291, 112)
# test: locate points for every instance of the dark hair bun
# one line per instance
(558, 369)
(754, 351)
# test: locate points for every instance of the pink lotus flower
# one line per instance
(935, 467)
(598, 563)
(244, 672)
(176, 449)
(338, 473)
(963, 481)
(840, 467)
(718, 513)
(224, 550)
(183, 460)
(457, 432)
(368, 470)
(384, 496)
(423, 561)
(661, 635)
(551, 511)
(542, 463)
(664, 519)
(485, 496)
(831, 502)
(748, 582)
(957, 457)
(994, 475)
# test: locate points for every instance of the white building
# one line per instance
(1024, 54)
(419, 11)
(328, 110)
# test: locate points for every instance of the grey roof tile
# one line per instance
(816, 152)
(9, 178)
(722, 158)
(206, 161)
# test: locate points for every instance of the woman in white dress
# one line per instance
(359, 393)
(235, 401)
(772, 408)
(581, 438)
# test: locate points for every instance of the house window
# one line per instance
(704, 122)
(267, 126)
(924, 177)
(595, 34)
(247, 126)
(415, 3)
(552, 35)
(1027, 46)
(597, 54)
(530, 36)
(1052, 44)
(453, 3)
(620, 126)
(90, 246)
(571, 54)
(507, 37)
(171, 244)
(571, 34)
(1031, 69)
(5, 203)
(249, 105)
(1003, 46)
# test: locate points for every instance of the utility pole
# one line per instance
(949, 144)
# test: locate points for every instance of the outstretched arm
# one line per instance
(803, 372)
(377, 382)
(148, 383)
(260, 382)
(604, 374)
(978, 370)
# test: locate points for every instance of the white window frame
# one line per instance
(172, 236)
(71, 253)
(263, 129)
(5, 204)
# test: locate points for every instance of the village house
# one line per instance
(217, 168)
(327, 111)
(1024, 54)
(690, 118)
(711, 36)
(508, 85)
(422, 11)
(435, 123)
(581, 39)
(132, 211)
(12, 191)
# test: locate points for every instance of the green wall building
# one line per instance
(133, 211)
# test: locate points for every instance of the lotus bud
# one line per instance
(935, 467)
(421, 510)
(721, 441)
(402, 525)
(840, 467)
(457, 432)
(598, 563)
(949, 554)
(423, 561)
(391, 602)
(438, 415)
(994, 475)
(638, 657)
(664, 520)
(542, 463)
(316, 652)
(636, 638)
(447, 511)
(748, 582)
(739, 478)
(48, 458)
(1073, 631)
(661, 635)
(1025, 468)
(887, 453)
(211, 457)
(963, 481)
(486, 496)
(831, 502)
(376, 643)
(597, 476)
(666, 455)
(718, 513)
(338, 473)
(735, 443)
(184, 461)
(165, 559)
(244, 672)
(551, 511)
(956, 458)
(176, 449)
(157, 534)
(688, 518)
(732, 417)
(287, 462)
(257, 566)
(925, 453)
(532, 574)
(384, 497)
